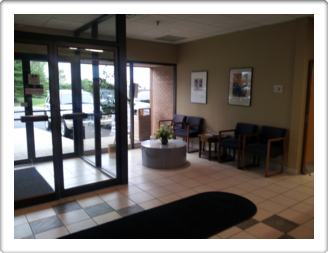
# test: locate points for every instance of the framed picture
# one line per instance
(240, 86)
(198, 87)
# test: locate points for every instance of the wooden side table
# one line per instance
(203, 138)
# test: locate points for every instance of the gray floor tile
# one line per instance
(66, 207)
(130, 210)
(248, 223)
(99, 209)
(285, 236)
(280, 223)
(46, 224)
(29, 237)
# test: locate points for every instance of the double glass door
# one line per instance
(83, 88)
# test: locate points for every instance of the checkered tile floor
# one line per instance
(285, 202)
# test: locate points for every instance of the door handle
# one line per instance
(77, 115)
(34, 118)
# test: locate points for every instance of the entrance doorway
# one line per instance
(87, 122)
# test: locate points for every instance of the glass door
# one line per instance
(88, 114)
(33, 177)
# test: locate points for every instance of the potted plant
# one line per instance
(164, 133)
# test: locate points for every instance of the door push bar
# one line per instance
(34, 118)
(77, 115)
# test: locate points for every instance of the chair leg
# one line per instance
(187, 144)
(267, 165)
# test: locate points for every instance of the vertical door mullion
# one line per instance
(131, 105)
(96, 107)
(28, 111)
(56, 120)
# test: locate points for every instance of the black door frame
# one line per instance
(121, 108)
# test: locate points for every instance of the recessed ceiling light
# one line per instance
(94, 50)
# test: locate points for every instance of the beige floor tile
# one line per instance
(163, 181)
(262, 214)
(90, 201)
(204, 179)
(287, 184)
(309, 224)
(141, 197)
(309, 184)
(203, 188)
(295, 216)
(305, 190)
(309, 201)
(130, 190)
(304, 208)
(120, 203)
(259, 182)
(283, 200)
(234, 190)
(219, 185)
(151, 204)
(271, 206)
(175, 187)
(276, 188)
(74, 216)
(169, 198)
(81, 225)
(255, 199)
(229, 232)
(190, 183)
(178, 178)
(40, 214)
(243, 235)
(264, 231)
(22, 231)
(186, 193)
(264, 193)
(148, 186)
(111, 196)
(106, 217)
(159, 192)
(20, 219)
(191, 174)
(139, 180)
(232, 181)
(247, 187)
(152, 177)
(53, 233)
(302, 233)
(300, 179)
(296, 195)
(243, 177)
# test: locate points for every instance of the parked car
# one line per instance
(65, 97)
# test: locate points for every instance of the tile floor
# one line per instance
(285, 202)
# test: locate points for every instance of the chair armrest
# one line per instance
(247, 135)
(223, 131)
(277, 139)
(194, 126)
(164, 120)
(177, 123)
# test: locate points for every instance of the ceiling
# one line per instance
(167, 28)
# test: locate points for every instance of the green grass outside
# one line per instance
(37, 102)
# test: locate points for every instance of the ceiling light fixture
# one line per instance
(73, 48)
(94, 50)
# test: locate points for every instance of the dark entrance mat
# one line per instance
(29, 183)
(196, 217)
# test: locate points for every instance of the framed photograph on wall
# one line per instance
(198, 87)
(240, 86)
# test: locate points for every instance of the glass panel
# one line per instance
(107, 29)
(42, 137)
(20, 142)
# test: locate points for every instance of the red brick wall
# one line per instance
(161, 92)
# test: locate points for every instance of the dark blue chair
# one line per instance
(179, 119)
(235, 143)
(192, 128)
(270, 143)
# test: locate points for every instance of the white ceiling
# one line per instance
(172, 28)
